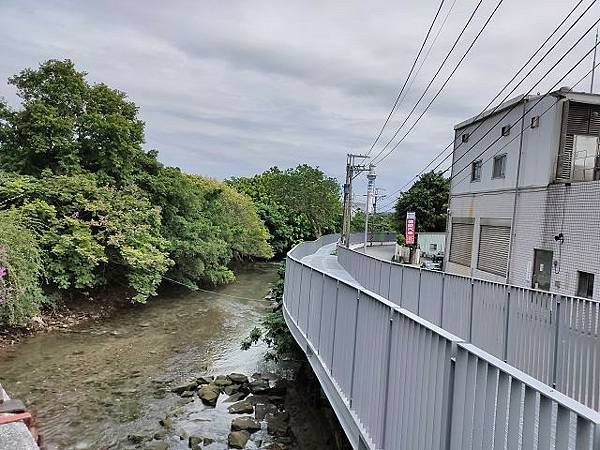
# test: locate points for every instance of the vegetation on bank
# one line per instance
(85, 207)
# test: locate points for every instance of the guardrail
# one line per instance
(553, 338)
(398, 381)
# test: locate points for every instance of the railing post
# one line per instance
(472, 300)
(309, 302)
(299, 293)
(419, 293)
(507, 322)
(401, 284)
(354, 348)
(321, 315)
(556, 340)
(387, 378)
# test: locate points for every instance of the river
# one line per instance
(91, 386)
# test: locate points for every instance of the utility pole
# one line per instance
(352, 170)
(594, 63)
(370, 182)
(376, 197)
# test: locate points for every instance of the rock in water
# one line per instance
(205, 380)
(236, 397)
(245, 423)
(238, 378)
(238, 439)
(157, 446)
(209, 394)
(278, 423)
(243, 407)
(259, 386)
(232, 389)
(222, 381)
(187, 386)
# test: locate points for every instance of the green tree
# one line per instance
(428, 198)
(295, 204)
(68, 126)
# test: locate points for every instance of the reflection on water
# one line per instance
(94, 385)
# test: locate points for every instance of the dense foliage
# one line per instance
(295, 204)
(428, 198)
(380, 222)
(95, 209)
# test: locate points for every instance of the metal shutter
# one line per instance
(494, 242)
(461, 243)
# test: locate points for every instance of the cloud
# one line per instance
(232, 88)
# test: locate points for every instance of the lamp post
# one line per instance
(370, 182)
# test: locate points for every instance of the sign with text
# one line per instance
(411, 226)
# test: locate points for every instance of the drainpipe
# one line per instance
(514, 214)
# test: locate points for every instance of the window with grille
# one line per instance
(585, 285)
(476, 170)
(432, 247)
(505, 130)
(535, 121)
(461, 243)
(499, 168)
(465, 137)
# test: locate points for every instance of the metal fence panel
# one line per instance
(314, 306)
(305, 291)
(531, 330)
(370, 367)
(456, 314)
(343, 347)
(495, 406)
(578, 353)
(329, 311)
(410, 288)
(384, 284)
(419, 386)
(488, 322)
(431, 296)
(395, 291)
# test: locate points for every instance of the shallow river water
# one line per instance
(92, 386)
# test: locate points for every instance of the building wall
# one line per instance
(424, 239)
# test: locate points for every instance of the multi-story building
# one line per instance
(525, 194)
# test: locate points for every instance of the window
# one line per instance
(535, 121)
(465, 137)
(505, 130)
(432, 247)
(476, 171)
(585, 158)
(499, 168)
(585, 285)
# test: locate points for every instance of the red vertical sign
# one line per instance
(411, 225)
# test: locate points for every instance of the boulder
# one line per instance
(232, 389)
(195, 442)
(245, 423)
(243, 407)
(222, 381)
(204, 380)
(236, 397)
(238, 378)
(139, 437)
(238, 439)
(187, 386)
(262, 409)
(167, 422)
(259, 386)
(209, 394)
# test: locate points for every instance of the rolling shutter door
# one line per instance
(494, 242)
(461, 243)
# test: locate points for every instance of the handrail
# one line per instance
(394, 377)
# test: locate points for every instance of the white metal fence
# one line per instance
(553, 338)
(398, 381)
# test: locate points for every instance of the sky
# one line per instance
(231, 88)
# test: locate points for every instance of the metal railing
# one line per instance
(554, 338)
(398, 381)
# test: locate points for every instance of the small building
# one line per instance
(431, 243)
(525, 198)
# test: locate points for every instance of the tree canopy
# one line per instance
(95, 209)
(428, 198)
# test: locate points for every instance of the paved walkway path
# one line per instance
(324, 260)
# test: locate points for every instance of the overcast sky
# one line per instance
(235, 87)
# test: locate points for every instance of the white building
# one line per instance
(525, 200)
(431, 243)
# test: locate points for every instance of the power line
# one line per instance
(514, 88)
(407, 78)
(440, 69)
